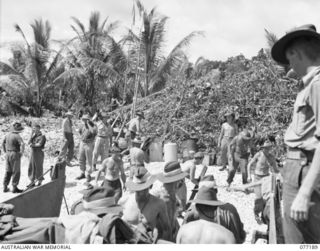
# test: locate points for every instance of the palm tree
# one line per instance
(41, 66)
(96, 61)
(149, 45)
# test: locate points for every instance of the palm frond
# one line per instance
(80, 37)
(41, 32)
(187, 40)
(20, 81)
(94, 21)
(14, 87)
(103, 24)
(18, 29)
(101, 69)
(72, 74)
(271, 38)
(80, 25)
(55, 61)
(112, 27)
(117, 56)
(140, 8)
(6, 69)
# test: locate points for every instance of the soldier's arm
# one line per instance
(221, 136)
(203, 172)
(138, 124)
(273, 163)
(4, 144)
(231, 146)
(110, 135)
(22, 145)
(101, 169)
(252, 161)
(123, 175)
(42, 142)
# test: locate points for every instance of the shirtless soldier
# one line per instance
(141, 207)
(113, 168)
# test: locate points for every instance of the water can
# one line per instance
(170, 152)
(155, 151)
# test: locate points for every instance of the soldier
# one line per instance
(207, 207)
(36, 143)
(300, 49)
(68, 142)
(171, 177)
(13, 146)
(141, 207)
(88, 133)
(104, 139)
(229, 130)
(113, 169)
(135, 125)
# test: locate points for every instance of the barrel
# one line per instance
(170, 152)
(155, 151)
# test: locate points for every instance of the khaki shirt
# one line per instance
(134, 125)
(305, 126)
(12, 142)
(103, 130)
(67, 125)
(229, 131)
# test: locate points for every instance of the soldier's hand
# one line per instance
(300, 208)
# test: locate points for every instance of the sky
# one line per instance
(231, 27)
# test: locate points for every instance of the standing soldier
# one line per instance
(300, 49)
(228, 131)
(238, 156)
(68, 142)
(87, 133)
(104, 139)
(135, 125)
(13, 146)
(36, 142)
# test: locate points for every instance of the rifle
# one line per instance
(193, 194)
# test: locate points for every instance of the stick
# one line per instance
(65, 202)
(114, 122)
(124, 122)
(193, 194)
(30, 185)
(253, 184)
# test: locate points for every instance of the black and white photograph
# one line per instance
(159, 122)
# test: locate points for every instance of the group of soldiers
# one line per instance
(14, 147)
(208, 220)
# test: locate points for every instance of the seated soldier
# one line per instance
(204, 232)
(113, 167)
(142, 208)
(207, 207)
